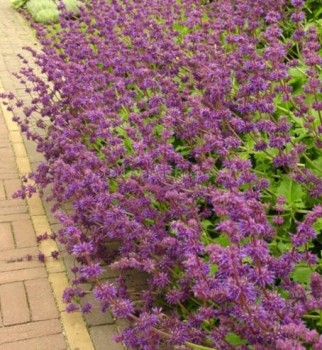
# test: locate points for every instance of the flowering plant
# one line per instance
(191, 135)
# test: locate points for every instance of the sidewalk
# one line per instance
(32, 316)
(29, 315)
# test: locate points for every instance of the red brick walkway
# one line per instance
(29, 315)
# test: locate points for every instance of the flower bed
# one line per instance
(191, 134)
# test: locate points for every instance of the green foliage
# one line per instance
(18, 3)
(298, 80)
(71, 5)
(302, 274)
(234, 339)
(313, 9)
(42, 10)
(291, 191)
(35, 6)
(46, 15)
(318, 225)
(45, 11)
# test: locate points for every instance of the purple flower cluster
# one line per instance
(173, 128)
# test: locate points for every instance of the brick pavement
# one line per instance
(29, 315)
(32, 315)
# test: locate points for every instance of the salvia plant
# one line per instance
(187, 137)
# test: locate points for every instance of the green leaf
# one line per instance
(148, 222)
(183, 150)
(317, 163)
(158, 129)
(298, 79)
(235, 339)
(283, 247)
(291, 191)
(206, 224)
(302, 275)
(181, 29)
(318, 225)
(247, 260)
(317, 14)
(213, 269)
(113, 185)
(18, 3)
(223, 240)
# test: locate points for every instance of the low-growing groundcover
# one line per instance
(189, 133)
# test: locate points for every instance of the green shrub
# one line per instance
(45, 11)
(46, 15)
(18, 3)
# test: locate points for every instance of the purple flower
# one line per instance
(105, 292)
(297, 3)
(122, 308)
(86, 308)
(72, 307)
(41, 257)
(316, 285)
(91, 271)
(84, 248)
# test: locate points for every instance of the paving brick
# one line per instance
(2, 191)
(49, 342)
(17, 266)
(55, 265)
(8, 259)
(14, 306)
(4, 143)
(9, 174)
(11, 186)
(29, 330)
(4, 137)
(96, 318)
(76, 331)
(11, 125)
(102, 337)
(59, 282)
(12, 203)
(23, 165)
(23, 275)
(19, 149)
(9, 86)
(13, 210)
(121, 324)
(16, 137)
(6, 237)
(13, 217)
(24, 233)
(41, 300)
(41, 224)
(3, 131)
(8, 164)
(34, 156)
(6, 154)
(35, 205)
